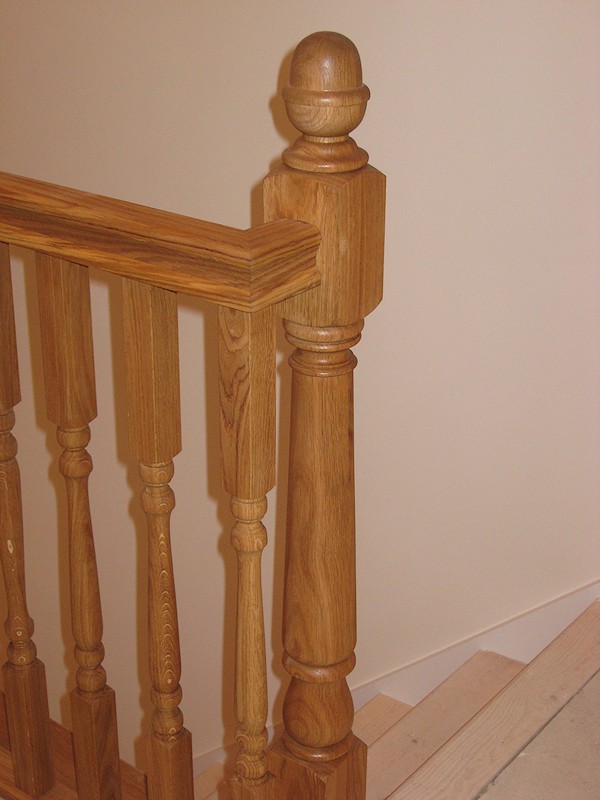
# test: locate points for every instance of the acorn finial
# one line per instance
(325, 100)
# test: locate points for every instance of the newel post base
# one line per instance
(345, 777)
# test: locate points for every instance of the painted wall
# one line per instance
(477, 389)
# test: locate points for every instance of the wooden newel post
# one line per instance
(325, 180)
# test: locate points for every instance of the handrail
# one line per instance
(242, 269)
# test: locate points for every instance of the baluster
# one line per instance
(24, 674)
(325, 180)
(247, 392)
(151, 349)
(66, 326)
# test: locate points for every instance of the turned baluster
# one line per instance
(247, 394)
(324, 180)
(151, 349)
(24, 674)
(67, 349)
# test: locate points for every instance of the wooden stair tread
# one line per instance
(377, 716)
(433, 721)
(208, 784)
(476, 754)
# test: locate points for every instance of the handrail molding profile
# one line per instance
(244, 269)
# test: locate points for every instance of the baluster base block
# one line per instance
(170, 771)
(29, 726)
(267, 790)
(342, 779)
(95, 745)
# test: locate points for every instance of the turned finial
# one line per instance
(325, 100)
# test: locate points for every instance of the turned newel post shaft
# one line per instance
(320, 610)
(325, 180)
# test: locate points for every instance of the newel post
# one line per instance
(325, 180)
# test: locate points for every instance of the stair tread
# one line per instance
(476, 754)
(433, 721)
(377, 716)
(206, 785)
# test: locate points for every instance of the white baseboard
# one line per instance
(521, 638)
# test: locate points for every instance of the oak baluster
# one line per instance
(151, 349)
(247, 394)
(24, 674)
(324, 180)
(67, 349)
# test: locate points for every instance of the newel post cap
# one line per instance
(325, 100)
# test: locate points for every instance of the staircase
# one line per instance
(453, 743)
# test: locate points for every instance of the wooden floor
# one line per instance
(563, 761)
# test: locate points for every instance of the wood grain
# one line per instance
(24, 674)
(431, 723)
(325, 100)
(325, 181)
(477, 753)
(10, 393)
(333, 780)
(247, 402)
(377, 716)
(152, 363)
(68, 359)
(133, 782)
(244, 269)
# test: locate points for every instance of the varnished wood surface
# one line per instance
(66, 326)
(247, 403)
(152, 359)
(159, 254)
(133, 782)
(24, 674)
(10, 393)
(325, 180)
(244, 269)
(325, 100)
(350, 258)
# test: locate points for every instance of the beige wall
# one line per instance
(478, 383)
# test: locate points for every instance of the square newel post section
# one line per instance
(325, 180)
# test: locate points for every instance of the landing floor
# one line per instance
(563, 761)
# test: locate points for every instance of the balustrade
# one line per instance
(324, 195)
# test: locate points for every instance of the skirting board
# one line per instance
(521, 638)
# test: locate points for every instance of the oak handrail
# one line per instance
(243, 269)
